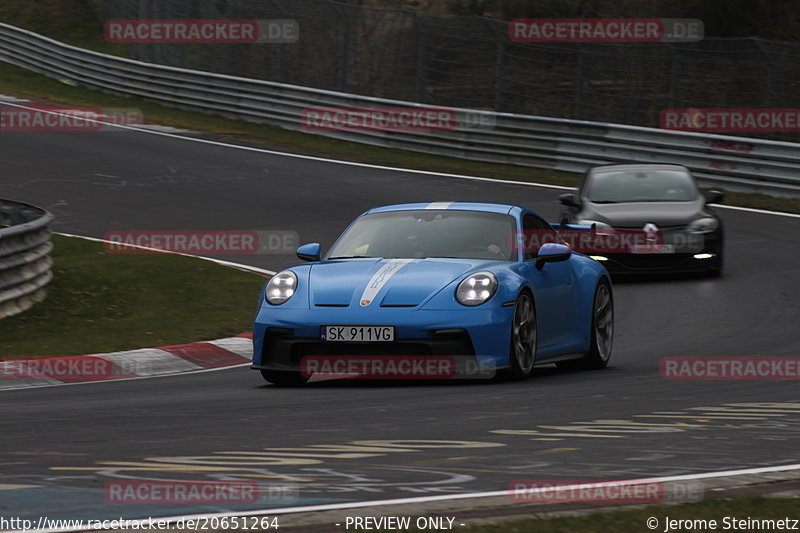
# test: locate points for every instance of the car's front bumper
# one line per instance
(283, 337)
(705, 257)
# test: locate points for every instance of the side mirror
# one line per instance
(551, 252)
(715, 197)
(570, 200)
(309, 252)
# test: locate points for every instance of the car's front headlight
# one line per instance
(599, 225)
(281, 287)
(476, 289)
(704, 225)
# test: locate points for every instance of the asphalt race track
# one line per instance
(59, 446)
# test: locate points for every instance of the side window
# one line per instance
(536, 231)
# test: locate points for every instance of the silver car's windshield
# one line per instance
(428, 233)
(641, 186)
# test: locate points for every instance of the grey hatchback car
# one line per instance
(647, 218)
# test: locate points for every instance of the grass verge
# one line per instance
(69, 21)
(636, 520)
(101, 302)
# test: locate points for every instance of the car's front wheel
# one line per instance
(716, 270)
(284, 378)
(522, 353)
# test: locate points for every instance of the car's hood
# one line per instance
(383, 282)
(636, 214)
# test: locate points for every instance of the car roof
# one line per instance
(486, 207)
(638, 167)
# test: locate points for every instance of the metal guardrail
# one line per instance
(24, 256)
(738, 163)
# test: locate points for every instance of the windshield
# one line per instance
(428, 233)
(649, 186)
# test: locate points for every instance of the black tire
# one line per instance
(522, 352)
(602, 335)
(719, 263)
(716, 270)
(284, 378)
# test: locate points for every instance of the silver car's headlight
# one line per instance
(704, 225)
(476, 289)
(281, 287)
(600, 225)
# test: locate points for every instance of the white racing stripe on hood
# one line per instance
(439, 205)
(380, 278)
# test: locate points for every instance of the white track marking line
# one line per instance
(233, 344)
(7, 486)
(446, 497)
(367, 165)
(149, 362)
(240, 266)
(754, 210)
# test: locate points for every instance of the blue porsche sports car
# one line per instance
(491, 283)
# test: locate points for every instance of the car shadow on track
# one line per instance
(539, 373)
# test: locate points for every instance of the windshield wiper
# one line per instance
(353, 257)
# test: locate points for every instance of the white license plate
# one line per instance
(653, 249)
(358, 333)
